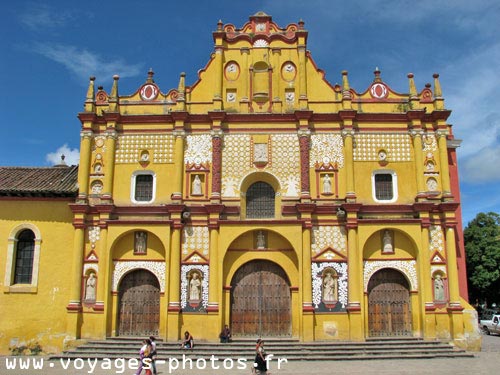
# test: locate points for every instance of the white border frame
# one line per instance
(133, 185)
(10, 262)
(394, 185)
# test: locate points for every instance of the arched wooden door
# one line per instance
(260, 300)
(389, 305)
(139, 304)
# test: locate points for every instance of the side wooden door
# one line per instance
(389, 304)
(260, 301)
(139, 304)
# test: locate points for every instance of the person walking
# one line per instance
(144, 353)
(260, 363)
(152, 355)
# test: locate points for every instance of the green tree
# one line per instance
(482, 248)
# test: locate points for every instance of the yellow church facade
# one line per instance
(261, 197)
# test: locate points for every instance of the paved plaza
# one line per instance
(485, 362)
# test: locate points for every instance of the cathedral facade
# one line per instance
(261, 197)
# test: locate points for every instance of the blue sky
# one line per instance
(50, 48)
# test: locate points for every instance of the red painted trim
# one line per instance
(294, 289)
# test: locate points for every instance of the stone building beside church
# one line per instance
(261, 196)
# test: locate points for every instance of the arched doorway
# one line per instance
(139, 304)
(389, 305)
(260, 300)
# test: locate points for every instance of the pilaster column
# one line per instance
(216, 165)
(213, 282)
(245, 51)
(443, 163)
(102, 287)
(76, 269)
(109, 164)
(218, 78)
(302, 74)
(179, 163)
(175, 266)
(84, 167)
(304, 143)
(348, 136)
(451, 259)
(419, 162)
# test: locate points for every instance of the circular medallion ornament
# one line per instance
(379, 91)
(288, 71)
(232, 71)
(149, 92)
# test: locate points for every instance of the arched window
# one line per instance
(25, 250)
(260, 201)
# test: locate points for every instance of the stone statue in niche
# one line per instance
(195, 287)
(196, 188)
(90, 285)
(327, 184)
(261, 240)
(387, 246)
(438, 288)
(141, 242)
(328, 287)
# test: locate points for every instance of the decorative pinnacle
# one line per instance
(437, 86)
(219, 25)
(301, 24)
(411, 82)
(377, 75)
(150, 76)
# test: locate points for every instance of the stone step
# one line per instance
(290, 349)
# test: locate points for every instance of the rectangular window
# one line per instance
(143, 188)
(383, 187)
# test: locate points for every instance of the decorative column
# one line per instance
(355, 273)
(419, 162)
(304, 144)
(179, 135)
(307, 326)
(443, 163)
(109, 166)
(348, 136)
(174, 277)
(213, 282)
(451, 259)
(216, 165)
(74, 306)
(218, 62)
(84, 167)
(301, 47)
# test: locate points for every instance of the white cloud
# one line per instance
(483, 166)
(42, 17)
(84, 63)
(72, 156)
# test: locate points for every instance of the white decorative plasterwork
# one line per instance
(286, 162)
(323, 237)
(430, 143)
(160, 146)
(441, 268)
(185, 269)
(396, 145)
(436, 239)
(326, 149)
(199, 149)
(94, 235)
(317, 281)
(235, 163)
(123, 267)
(407, 267)
(90, 266)
(195, 238)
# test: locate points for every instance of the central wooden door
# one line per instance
(139, 304)
(389, 305)
(260, 300)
